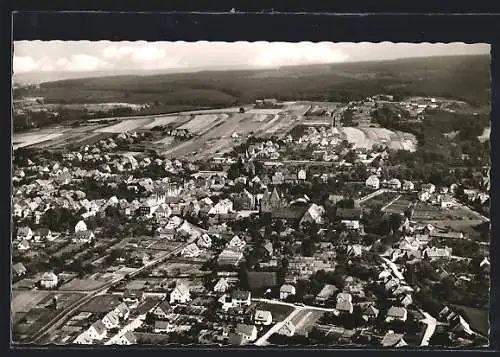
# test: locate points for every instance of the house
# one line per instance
(370, 313)
(424, 196)
(128, 338)
(485, 264)
(354, 250)
(180, 294)
(222, 285)
(325, 294)
(269, 248)
(405, 300)
(433, 253)
(287, 290)
(122, 311)
(84, 236)
(133, 297)
(287, 329)
(111, 320)
(161, 326)
(224, 206)
(247, 332)
(408, 185)
(373, 182)
(396, 313)
(97, 331)
(24, 245)
(191, 251)
(24, 233)
(204, 241)
(236, 243)
(80, 226)
(278, 178)
(394, 184)
(301, 175)
(162, 310)
(49, 280)
(428, 187)
(314, 214)
(350, 217)
(240, 298)
(263, 317)
(19, 270)
(83, 339)
(392, 339)
(344, 303)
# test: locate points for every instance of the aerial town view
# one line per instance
(250, 194)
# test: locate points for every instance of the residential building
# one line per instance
(49, 280)
(287, 290)
(350, 217)
(122, 311)
(432, 253)
(287, 329)
(373, 182)
(128, 338)
(133, 297)
(236, 243)
(224, 206)
(191, 251)
(263, 317)
(247, 332)
(314, 214)
(23, 245)
(408, 185)
(325, 294)
(392, 339)
(204, 241)
(370, 313)
(43, 234)
(221, 286)
(85, 236)
(344, 303)
(396, 313)
(162, 310)
(80, 226)
(97, 331)
(180, 294)
(240, 298)
(111, 320)
(24, 233)
(394, 184)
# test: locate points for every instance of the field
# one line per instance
(401, 204)
(366, 137)
(88, 284)
(381, 199)
(425, 212)
(31, 310)
(215, 132)
(279, 312)
(101, 304)
(27, 139)
(304, 321)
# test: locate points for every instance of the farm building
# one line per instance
(49, 280)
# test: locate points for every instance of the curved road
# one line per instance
(62, 316)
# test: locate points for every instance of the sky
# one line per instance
(88, 56)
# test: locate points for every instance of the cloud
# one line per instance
(84, 62)
(280, 54)
(136, 53)
(23, 64)
(61, 61)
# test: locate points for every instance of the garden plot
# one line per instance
(164, 120)
(305, 320)
(101, 304)
(126, 125)
(202, 121)
(27, 139)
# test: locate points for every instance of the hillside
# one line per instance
(460, 77)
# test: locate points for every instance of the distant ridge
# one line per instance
(45, 77)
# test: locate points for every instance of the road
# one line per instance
(390, 203)
(431, 323)
(63, 315)
(373, 194)
(262, 341)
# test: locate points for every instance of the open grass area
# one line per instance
(279, 312)
(478, 318)
(304, 321)
(101, 304)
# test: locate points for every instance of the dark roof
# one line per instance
(349, 213)
(289, 212)
(240, 295)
